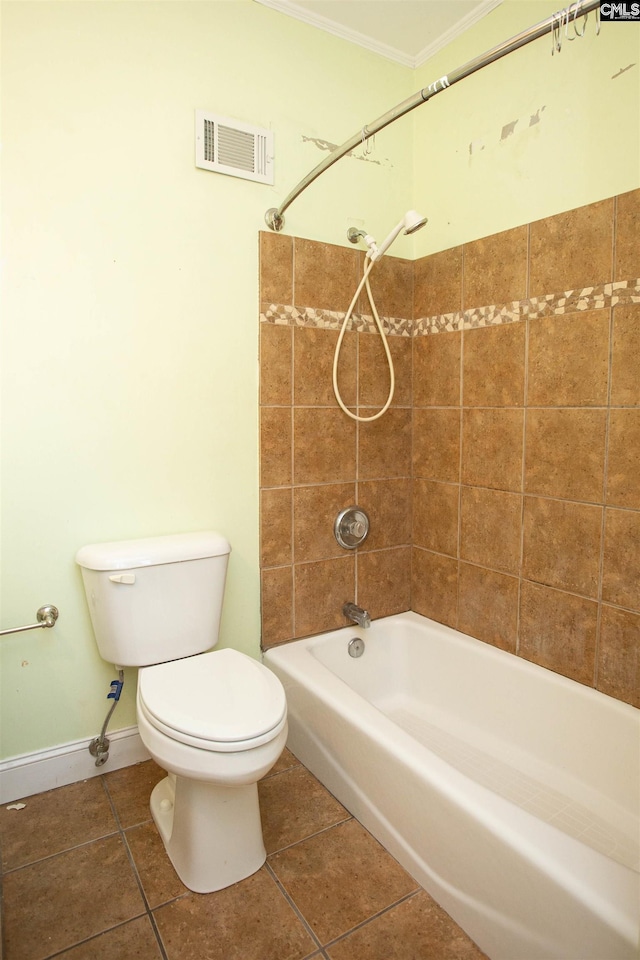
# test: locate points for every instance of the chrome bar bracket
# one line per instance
(46, 617)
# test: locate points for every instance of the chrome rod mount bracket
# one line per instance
(46, 617)
(273, 219)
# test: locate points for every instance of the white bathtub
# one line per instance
(510, 793)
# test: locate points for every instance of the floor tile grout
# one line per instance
(144, 898)
(278, 773)
(292, 904)
(158, 936)
(95, 936)
(374, 916)
(134, 868)
(310, 836)
(136, 826)
(59, 853)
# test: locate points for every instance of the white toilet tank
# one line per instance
(156, 599)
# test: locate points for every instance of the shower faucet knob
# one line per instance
(351, 527)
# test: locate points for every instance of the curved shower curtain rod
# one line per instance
(553, 24)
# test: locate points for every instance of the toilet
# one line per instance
(215, 720)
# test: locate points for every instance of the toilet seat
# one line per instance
(222, 701)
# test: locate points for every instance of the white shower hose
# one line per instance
(364, 282)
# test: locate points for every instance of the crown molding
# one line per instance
(461, 27)
(292, 9)
(338, 30)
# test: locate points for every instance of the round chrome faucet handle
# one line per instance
(351, 527)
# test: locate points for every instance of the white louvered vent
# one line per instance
(237, 149)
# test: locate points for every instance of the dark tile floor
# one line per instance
(85, 877)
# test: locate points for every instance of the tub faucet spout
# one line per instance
(357, 614)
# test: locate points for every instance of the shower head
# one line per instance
(410, 223)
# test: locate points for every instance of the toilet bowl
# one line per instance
(217, 723)
(217, 716)
(215, 720)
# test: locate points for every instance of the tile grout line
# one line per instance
(605, 475)
(318, 833)
(412, 478)
(523, 477)
(374, 916)
(134, 869)
(603, 523)
(525, 401)
(291, 903)
(278, 773)
(357, 464)
(95, 936)
(460, 461)
(59, 853)
(292, 373)
(542, 583)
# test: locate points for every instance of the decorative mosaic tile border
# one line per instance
(552, 304)
(284, 315)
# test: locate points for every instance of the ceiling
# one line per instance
(407, 31)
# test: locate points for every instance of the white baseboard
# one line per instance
(45, 769)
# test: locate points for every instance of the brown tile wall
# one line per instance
(315, 460)
(504, 483)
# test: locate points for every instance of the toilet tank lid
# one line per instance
(152, 551)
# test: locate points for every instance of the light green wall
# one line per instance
(130, 300)
(130, 278)
(585, 147)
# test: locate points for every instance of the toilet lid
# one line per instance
(222, 696)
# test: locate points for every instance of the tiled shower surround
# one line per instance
(503, 484)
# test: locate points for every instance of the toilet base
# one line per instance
(212, 833)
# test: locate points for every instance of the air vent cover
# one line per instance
(237, 149)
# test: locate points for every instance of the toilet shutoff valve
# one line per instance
(99, 748)
(116, 690)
